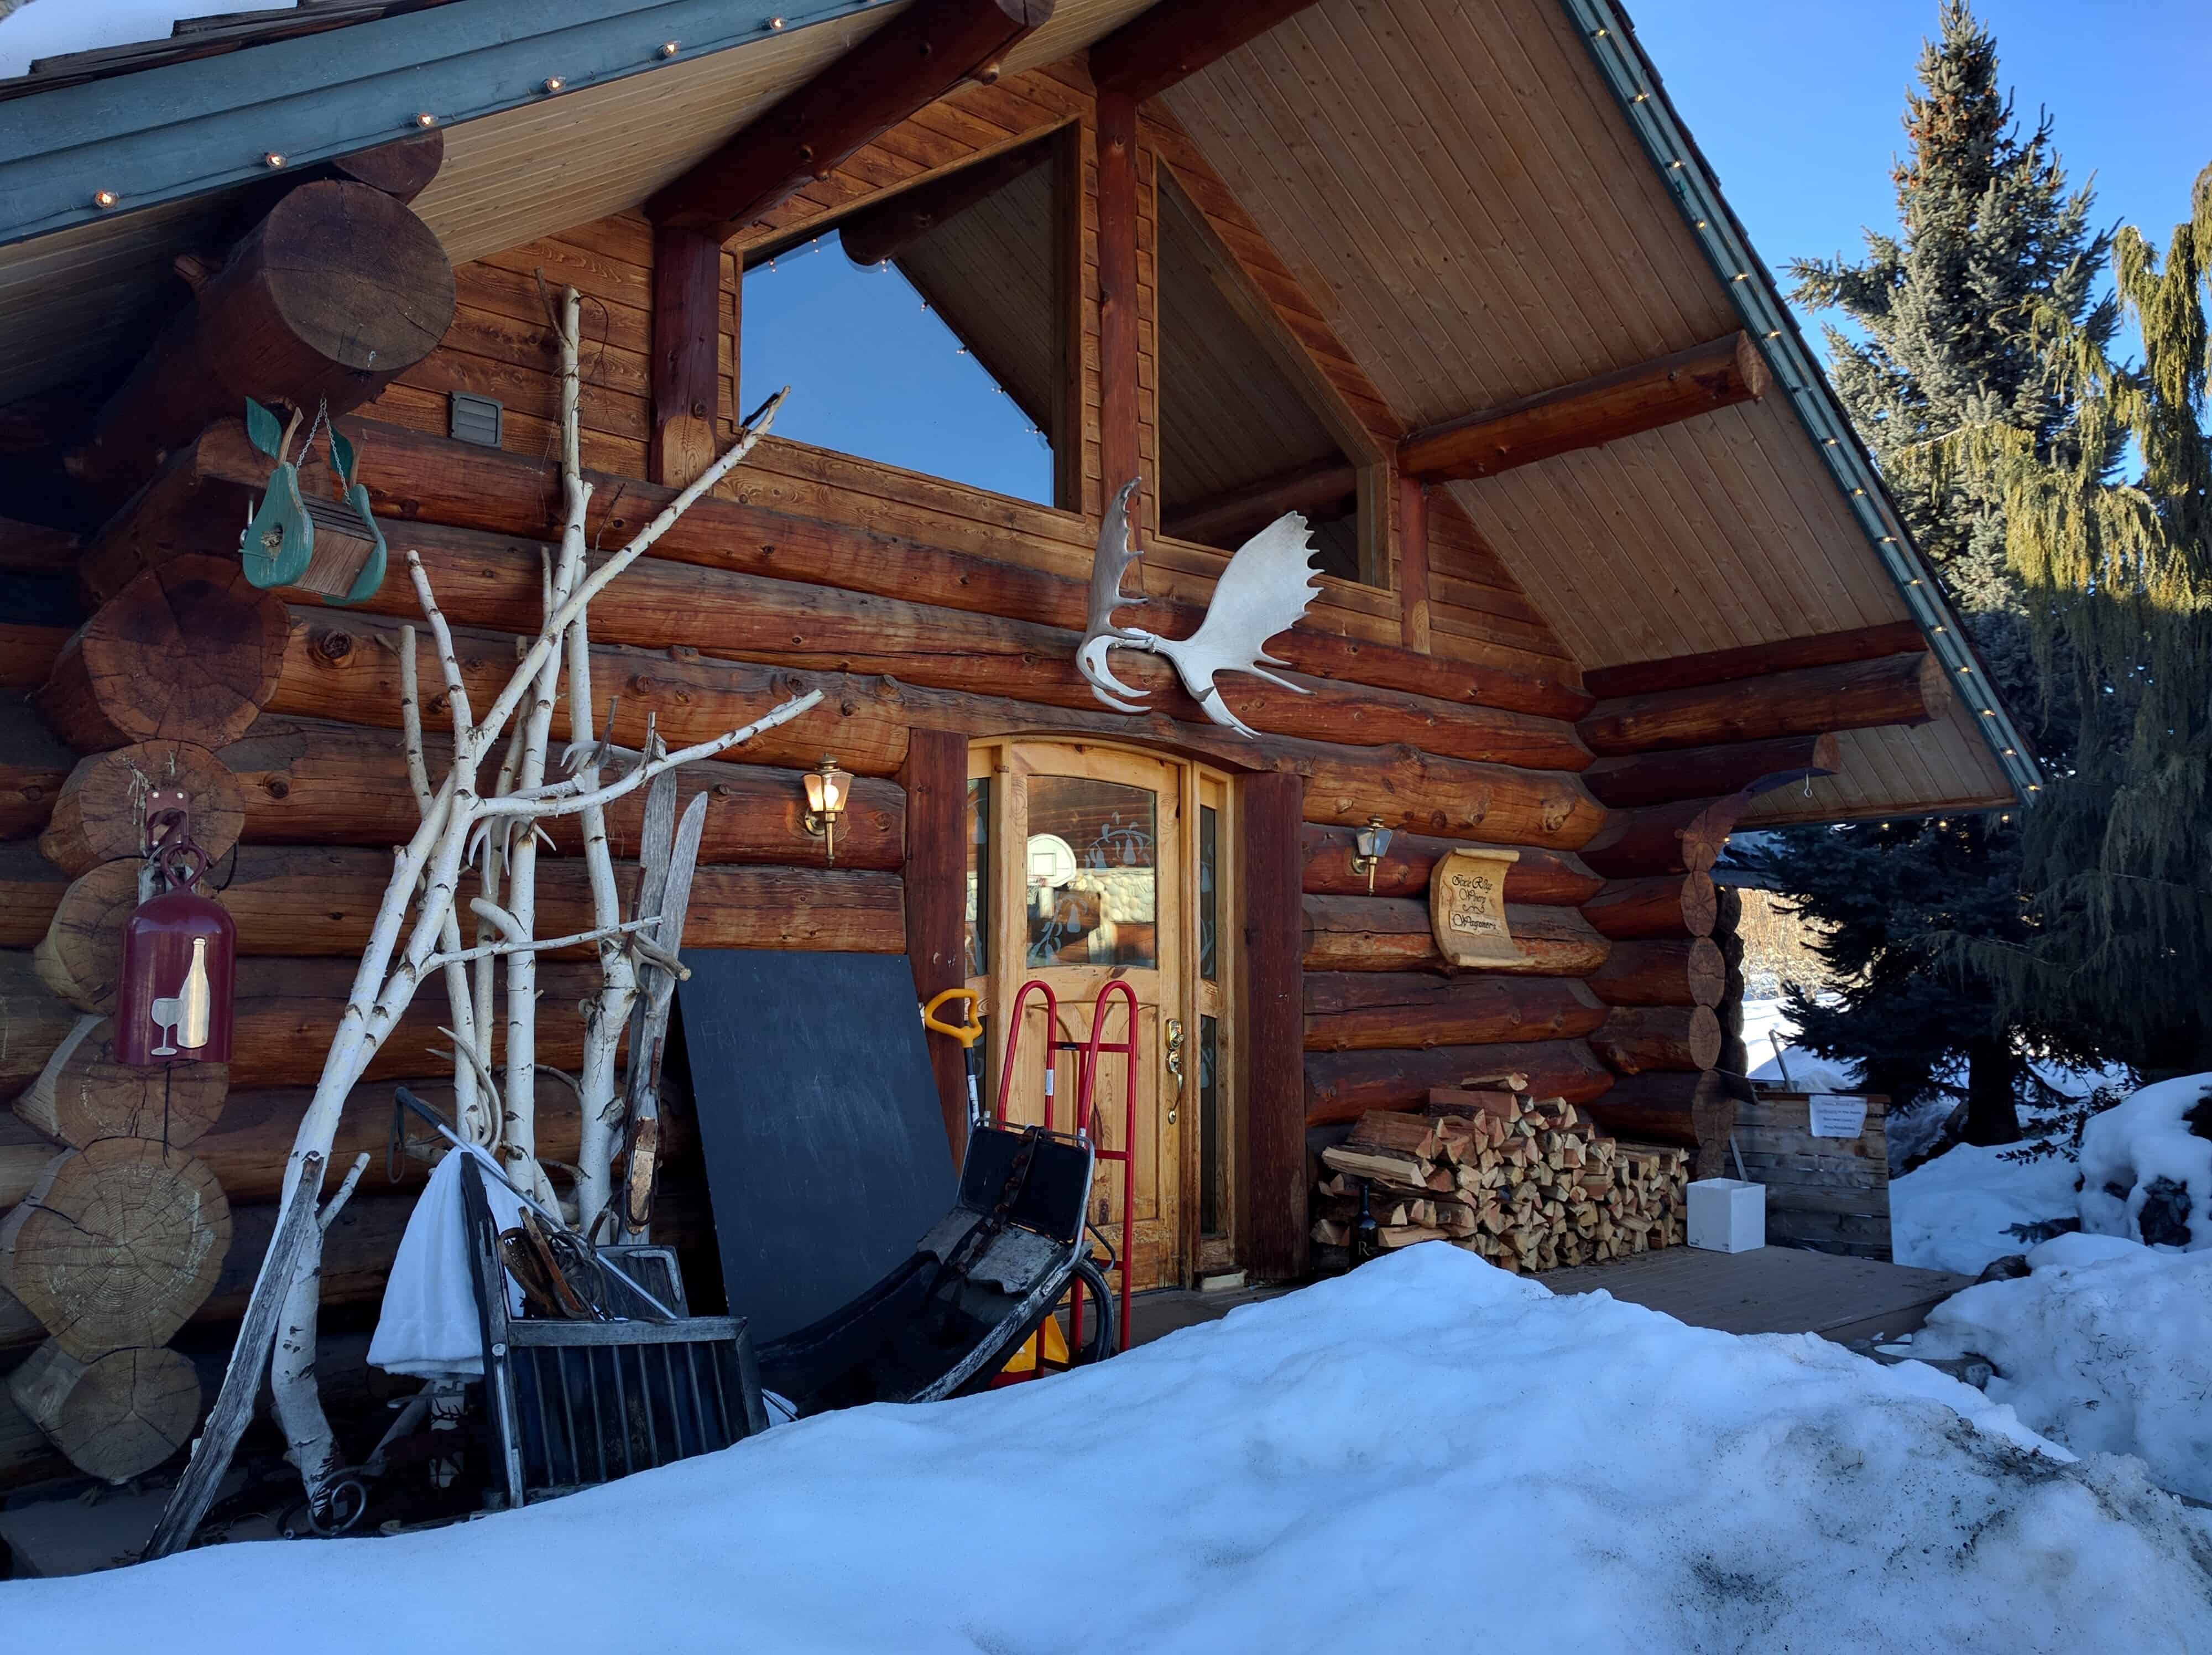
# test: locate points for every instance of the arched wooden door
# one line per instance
(1085, 867)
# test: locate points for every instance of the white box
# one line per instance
(1727, 1216)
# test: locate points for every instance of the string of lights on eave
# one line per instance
(1621, 60)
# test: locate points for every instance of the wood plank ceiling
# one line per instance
(1453, 179)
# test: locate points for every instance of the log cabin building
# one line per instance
(1607, 574)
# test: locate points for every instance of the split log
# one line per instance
(115, 1245)
(98, 817)
(347, 670)
(1660, 778)
(1374, 1011)
(1684, 837)
(187, 652)
(340, 289)
(114, 1417)
(1663, 905)
(32, 1023)
(1545, 878)
(84, 1095)
(310, 902)
(1392, 934)
(28, 653)
(305, 781)
(1636, 1039)
(34, 766)
(1681, 971)
(1905, 689)
(1755, 661)
(491, 581)
(433, 479)
(1343, 1085)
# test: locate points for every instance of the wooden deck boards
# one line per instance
(1773, 1290)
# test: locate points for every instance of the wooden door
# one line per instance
(1077, 877)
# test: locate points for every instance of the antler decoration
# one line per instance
(1263, 591)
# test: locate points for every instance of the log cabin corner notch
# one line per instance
(1731, 642)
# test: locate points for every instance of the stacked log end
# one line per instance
(114, 1233)
(1527, 1184)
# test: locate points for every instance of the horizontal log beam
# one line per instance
(1902, 689)
(1392, 934)
(1662, 905)
(1541, 878)
(909, 64)
(1754, 660)
(305, 782)
(1343, 1085)
(1318, 490)
(429, 479)
(876, 234)
(1660, 778)
(28, 653)
(345, 668)
(1638, 1039)
(1173, 40)
(1717, 374)
(492, 581)
(1379, 1011)
(1686, 836)
(308, 902)
(1678, 971)
(1693, 1111)
(34, 767)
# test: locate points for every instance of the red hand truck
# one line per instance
(1086, 1084)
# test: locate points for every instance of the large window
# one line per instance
(922, 330)
(1241, 439)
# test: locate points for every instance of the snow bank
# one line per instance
(1427, 1453)
(2141, 1153)
(48, 28)
(2107, 1347)
(1954, 1213)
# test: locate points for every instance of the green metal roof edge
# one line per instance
(1620, 58)
(179, 129)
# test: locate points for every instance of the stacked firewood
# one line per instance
(1529, 1184)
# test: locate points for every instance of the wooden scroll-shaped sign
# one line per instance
(1467, 906)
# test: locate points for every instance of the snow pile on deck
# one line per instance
(1956, 1212)
(2107, 1347)
(1427, 1453)
(2147, 1166)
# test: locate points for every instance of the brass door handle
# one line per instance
(1173, 1031)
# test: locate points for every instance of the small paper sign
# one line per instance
(1467, 907)
(1835, 1115)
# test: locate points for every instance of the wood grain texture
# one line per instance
(1538, 877)
(1754, 660)
(34, 764)
(84, 1095)
(1169, 43)
(1660, 905)
(1624, 783)
(1120, 455)
(1373, 1011)
(1638, 1039)
(1394, 933)
(186, 652)
(1903, 689)
(115, 1245)
(116, 1416)
(1678, 971)
(1271, 1169)
(97, 815)
(1343, 1085)
(935, 777)
(687, 319)
(1686, 836)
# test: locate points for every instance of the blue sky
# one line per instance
(1797, 106)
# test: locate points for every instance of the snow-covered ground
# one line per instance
(2107, 1347)
(1955, 1212)
(48, 28)
(2147, 1171)
(1428, 1453)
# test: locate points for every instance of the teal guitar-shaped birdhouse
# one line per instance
(329, 547)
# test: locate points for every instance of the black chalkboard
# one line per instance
(824, 1143)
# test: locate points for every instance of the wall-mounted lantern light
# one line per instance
(1374, 843)
(828, 788)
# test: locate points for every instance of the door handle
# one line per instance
(1173, 1031)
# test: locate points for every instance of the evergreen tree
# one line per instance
(1991, 244)
(2119, 572)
